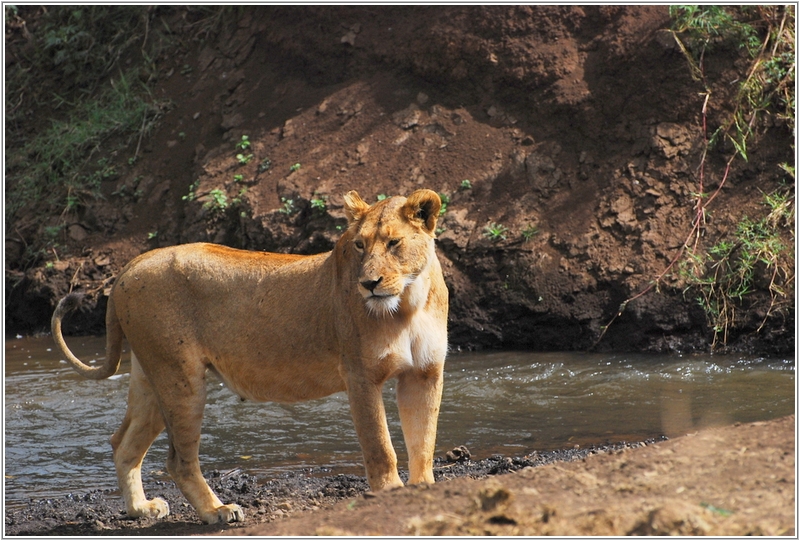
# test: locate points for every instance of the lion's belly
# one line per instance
(281, 381)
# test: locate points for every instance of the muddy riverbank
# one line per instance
(263, 500)
(733, 480)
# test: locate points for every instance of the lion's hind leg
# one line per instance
(181, 388)
(142, 424)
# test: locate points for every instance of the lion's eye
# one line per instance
(359, 244)
(394, 242)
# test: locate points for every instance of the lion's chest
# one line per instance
(420, 343)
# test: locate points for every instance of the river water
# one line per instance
(57, 425)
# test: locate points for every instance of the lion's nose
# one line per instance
(370, 285)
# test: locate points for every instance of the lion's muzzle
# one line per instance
(382, 296)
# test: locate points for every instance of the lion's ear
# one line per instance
(354, 207)
(423, 207)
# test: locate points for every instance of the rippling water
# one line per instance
(57, 424)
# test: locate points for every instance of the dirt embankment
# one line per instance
(567, 140)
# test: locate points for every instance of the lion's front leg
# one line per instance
(419, 394)
(369, 417)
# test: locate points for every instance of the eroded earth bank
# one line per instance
(568, 142)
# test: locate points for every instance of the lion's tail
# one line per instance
(113, 339)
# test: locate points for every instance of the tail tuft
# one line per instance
(69, 303)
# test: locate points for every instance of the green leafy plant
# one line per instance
(218, 201)
(243, 144)
(295, 167)
(381, 196)
(244, 159)
(288, 207)
(239, 199)
(529, 232)
(238, 178)
(495, 232)
(265, 164)
(445, 201)
(192, 195)
(466, 184)
(319, 204)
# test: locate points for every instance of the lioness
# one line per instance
(282, 328)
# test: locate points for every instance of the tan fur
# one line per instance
(281, 328)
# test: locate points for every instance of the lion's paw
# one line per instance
(155, 508)
(225, 514)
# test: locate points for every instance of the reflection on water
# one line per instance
(57, 424)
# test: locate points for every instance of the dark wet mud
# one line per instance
(102, 513)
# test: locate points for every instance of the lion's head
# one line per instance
(394, 241)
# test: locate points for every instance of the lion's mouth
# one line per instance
(382, 305)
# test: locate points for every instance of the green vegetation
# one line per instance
(445, 201)
(495, 232)
(192, 195)
(319, 204)
(265, 164)
(529, 232)
(218, 201)
(244, 143)
(244, 159)
(767, 33)
(237, 201)
(381, 196)
(466, 184)
(56, 165)
(288, 207)
(754, 257)
(74, 115)
(295, 167)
